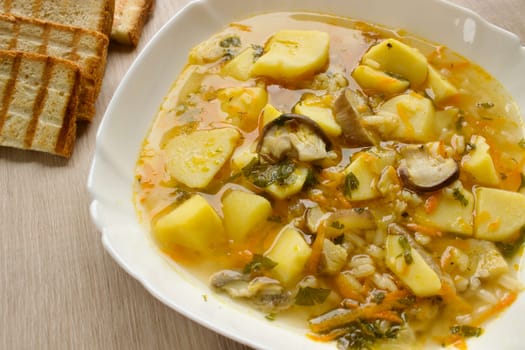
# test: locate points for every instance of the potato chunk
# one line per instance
(416, 117)
(243, 211)
(193, 225)
(243, 105)
(194, 159)
(393, 56)
(441, 88)
(241, 65)
(268, 114)
(291, 252)
(376, 81)
(453, 213)
(499, 214)
(293, 184)
(317, 109)
(363, 174)
(417, 275)
(478, 163)
(293, 54)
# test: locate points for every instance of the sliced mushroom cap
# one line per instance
(349, 108)
(423, 172)
(293, 136)
(266, 293)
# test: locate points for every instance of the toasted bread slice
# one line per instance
(85, 47)
(39, 100)
(129, 19)
(89, 14)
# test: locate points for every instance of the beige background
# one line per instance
(59, 289)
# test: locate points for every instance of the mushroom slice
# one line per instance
(267, 293)
(349, 108)
(423, 172)
(294, 136)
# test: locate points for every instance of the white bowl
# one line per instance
(137, 99)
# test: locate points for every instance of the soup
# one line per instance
(359, 180)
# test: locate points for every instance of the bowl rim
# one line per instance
(99, 202)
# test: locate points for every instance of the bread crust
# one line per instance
(39, 102)
(90, 14)
(129, 19)
(86, 48)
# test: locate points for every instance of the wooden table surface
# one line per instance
(59, 289)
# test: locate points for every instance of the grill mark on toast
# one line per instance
(9, 89)
(45, 39)
(77, 35)
(38, 106)
(37, 7)
(64, 141)
(13, 43)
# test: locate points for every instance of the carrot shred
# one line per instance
(345, 289)
(504, 303)
(386, 315)
(332, 335)
(452, 298)
(432, 203)
(317, 249)
(429, 231)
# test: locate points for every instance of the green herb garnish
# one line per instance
(460, 197)
(275, 218)
(509, 249)
(270, 316)
(522, 143)
(259, 263)
(378, 297)
(466, 331)
(337, 225)
(363, 334)
(351, 184)
(485, 105)
(308, 296)
(407, 250)
(459, 122)
(258, 51)
(263, 175)
(230, 41)
(229, 44)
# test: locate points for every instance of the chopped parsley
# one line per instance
(263, 175)
(378, 297)
(270, 316)
(485, 105)
(180, 195)
(522, 143)
(275, 218)
(460, 197)
(459, 122)
(337, 225)
(311, 180)
(362, 334)
(466, 331)
(351, 184)
(259, 263)
(509, 249)
(407, 250)
(229, 45)
(522, 183)
(230, 41)
(258, 51)
(308, 296)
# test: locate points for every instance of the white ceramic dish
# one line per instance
(136, 101)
